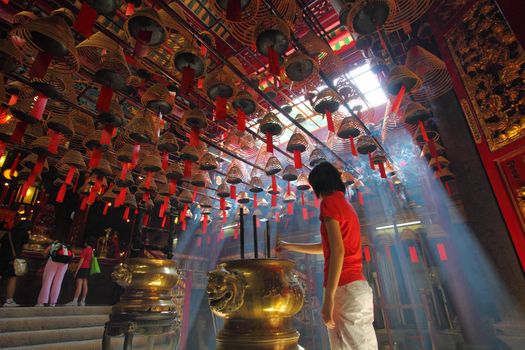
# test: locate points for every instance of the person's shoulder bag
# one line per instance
(19, 264)
(95, 267)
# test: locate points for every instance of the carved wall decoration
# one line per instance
(491, 64)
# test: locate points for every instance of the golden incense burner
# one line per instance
(257, 299)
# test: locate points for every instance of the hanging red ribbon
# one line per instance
(432, 148)
(352, 145)
(145, 220)
(107, 133)
(39, 106)
(183, 227)
(220, 236)
(200, 83)
(220, 108)
(290, 208)
(194, 136)
(274, 200)
(61, 193)
(305, 213)
(149, 177)
(204, 51)
(165, 160)
(141, 49)
(273, 62)
(40, 64)
(382, 170)
(83, 204)
(104, 98)
(269, 143)
(2, 148)
(96, 155)
(288, 188)
(233, 192)
(255, 204)
(165, 205)
(85, 20)
(329, 121)
(145, 198)
(297, 159)
(360, 198)
(172, 187)
(413, 254)
(233, 10)
(205, 223)
(130, 8)
(302, 199)
(18, 133)
(277, 217)
(274, 184)
(367, 253)
(123, 171)
(54, 141)
(442, 252)
(12, 100)
(398, 99)
(224, 219)
(14, 165)
(164, 221)
(125, 216)
(241, 120)
(371, 161)
(188, 75)
(194, 195)
(423, 131)
(105, 211)
(222, 203)
(70, 174)
(187, 168)
(135, 155)
(121, 197)
(183, 213)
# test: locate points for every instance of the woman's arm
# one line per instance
(307, 248)
(79, 264)
(337, 254)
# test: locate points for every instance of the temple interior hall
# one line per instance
(262, 174)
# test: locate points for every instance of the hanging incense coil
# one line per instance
(10, 56)
(189, 62)
(94, 49)
(245, 102)
(365, 144)
(401, 76)
(347, 178)
(102, 168)
(52, 39)
(235, 174)
(365, 16)
(168, 143)
(256, 185)
(24, 17)
(189, 152)
(6, 130)
(290, 173)
(289, 197)
(438, 162)
(140, 129)
(302, 182)
(82, 123)
(61, 124)
(273, 166)
(349, 128)
(150, 187)
(241, 11)
(108, 197)
(407, 12)
(272, 36)
(347, 90)
(114, 116)
(223, 191)
(208, 162)
(445, 175)
(92, 141)
(219, 87)
(160, 178)
(195, 118)
(31, 160)
(126, 182)
(73, 158)
(206, 202)
(24, 174)
(273, 190)
(131, 201)
(146, 27)
(22, 110)
(416, 112)
(427, 152)
(297, 145)
(185, 197)
(41, 145)
(112, 73)
(125, 154)
(198, 179)
(270, 124)
(151, 163)
(429, 135)
(175, 171)
(327, 102)
(317, 156)
(378, 65)
(158, 98)
(163, 190)
(243, 198)
(301, 68)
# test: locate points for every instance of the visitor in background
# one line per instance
(82, 273)
(13, 239)
(348, 310)
(59, 256)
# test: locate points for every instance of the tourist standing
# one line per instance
(59, 256)
(82, 273)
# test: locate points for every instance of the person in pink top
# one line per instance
(82, 273)
(348, 309)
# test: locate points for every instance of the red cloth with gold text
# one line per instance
(336, 207)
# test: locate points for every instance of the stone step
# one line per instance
(49, 336)
(14, 324)
(11, 312)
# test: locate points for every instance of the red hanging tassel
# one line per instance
(18, 133)
(224, 219)
(222, 203)
(305, 213)
(236, 233)
(12, 100)
(273, 62)
(85, 20)
(200, 83)
(274, 200)
(105, 211)
(220, 108)
(360, 198)
(145, 220)
(14, 165)
(70, 174)
(194, 195)
(188, 75)
(399, 98)
(290, 208)
(94, 190)
(123, 171)
(183, 227)
(205, 223)
(449, 191)
(61, 193)
(391, 186)
(125, 216)
(104, 98)
(187, 168)
(40, 64)
(317, 203)
(269, 143)
(96, 155)
(220, 236)
(135, 155)
(233, 10)
(39, 166)
(423, 131)
(164, 221)
(141, 49)
(204, 51)
(413, 254)
(367, 253)
(121, 197)
(297, 159)
(302, 199)
(107, 133)
(39, 107)
(288, 188)
(194, 136)
(145, 197)
(130, 9)
(172, 187)
(432, 148)
(165, 204)
(83, 204)
(149, 177)
(255, 204)
(371, 161)
(329, 121)
(382, 170)
(277, 217)
(241, 120)
(352, 145)
(274, 184)
(183, 213)
(54, 141)
(233, 192)
(165, 157)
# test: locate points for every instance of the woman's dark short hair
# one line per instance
(325, 179)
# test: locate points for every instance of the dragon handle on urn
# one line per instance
(122, 275)
(225, 291)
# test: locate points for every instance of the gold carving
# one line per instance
(225, 291)
(471, 121)
(491, 64)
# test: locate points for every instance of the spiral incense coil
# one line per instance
(158, 98)
(317, 156)
(273, 190)
(289, 197)
(61, 124)
(273, 166)
(130, 201)
(416, 112)
(208, 162)
(113, 70)
(270, 124)
(94, 49)
(235, 174)
(73, 158)
(445, 175)
(23, 17)
(427, 153)
(6, 130)
(256, 185)
(431, 134)
(245, 101)
(82, 123)
(297, 142)
(407, 12)
(151, 163)
(103, 168)
(290, 173)
(108, 197)
(168, 143)
(219, 83)
(10, 56)
(349, 128)
(300, 68)
(185, 197)
(172, 25)
(366, 16)
(347, 90)
(140, 129)
(365, 144)
(92, 141)
(206, 202)
(126, 182)
(198, 179)
(436, 163)
(188, 61)
(302, 182)
(243, 198)
(150, 187)
(223, 191)
(31, 160)
(401, 76)
(163, 191)
(146, 27)
(244, 12)
(195, 118)
(41, 145)
(52, 39)
(175, 171)
(189, 152)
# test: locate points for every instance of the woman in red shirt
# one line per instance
(82, 273)
(348, 310)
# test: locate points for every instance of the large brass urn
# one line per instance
(257, 299)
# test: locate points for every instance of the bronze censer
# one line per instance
(257, 298)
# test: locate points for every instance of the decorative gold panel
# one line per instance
(491, 64)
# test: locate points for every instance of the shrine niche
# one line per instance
(491, 64)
